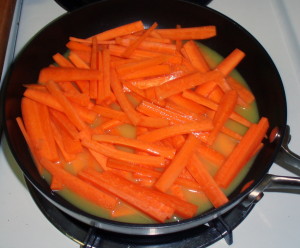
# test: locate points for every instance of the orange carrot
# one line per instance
(131, 67)
(37, 123)
(245, 94)
(160, 47)
(177, 164)
(120, 31)
(195, 56)
(73, 45)
(206, 88)
(127, 107)
(94, 66)
(61, 60)
(80, 187)
(230, 62)
(78, 61)
(60, 74)
(151, 71)
(137, 144)
(67, 106)
(163, 133)
(241, 154)
(178, 85)
(100, 158)
(210, 154)
(225, 109)
(194, 33)
(214, 106)
(43, 97)
(206, 181)
(123, 156)
(178, 43)
(129, 50)
(129, 192)
(110, 113)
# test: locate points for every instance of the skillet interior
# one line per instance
(257, 68)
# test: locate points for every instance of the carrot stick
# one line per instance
(37, 123)
(120, 31)
(89, 41)
(61, 60)
(156, 81)
(164, 48)
(65, 103)
(121, 155)
(187, 104)
(217, 94)
(193, 33)
(185, 128)
(225, 109)
(80, 187)
(214, 106)
(153, 122)
(43, 97)
(105, 92)
(127, 107)
(177, 164)
(245, 94)
(131, 67)
(33, 151)
(111, 113)
(242, 152)
(78, 61)
(210, 154)
(195, 56)
(178, 85)
(100, 158)
(137, 144)
(206, 88)
(73, 45)
(65, 123)
(151, 71)
(230, 62)
(59, 139)
(206, 181)
(178, 43)
(129, 192)
(94, 66)
(60, 74)
(130, 49)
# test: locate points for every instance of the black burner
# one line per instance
(89, 237)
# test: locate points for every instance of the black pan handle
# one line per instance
(71, 5)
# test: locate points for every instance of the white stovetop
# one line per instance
(274, 222)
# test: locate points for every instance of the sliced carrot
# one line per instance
(80, 187)
(151, 71)
(129, 192)
(60, 74)
(245, 94)
(120, 31)
(210, 154)
(210, 188)
(94, 66)
(67, 106)
(230, 62)
(37, 123)
(78, 61)
(195, 56)
(163, 133)
(178, 85)
(74, 45)
(224, 111)
(111, 152)
(127, 107)
(194, 33)
(137, 144)
(241, 154)
(177, 164)
(130, 49)
(62, 60)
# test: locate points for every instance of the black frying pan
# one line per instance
(257, 68)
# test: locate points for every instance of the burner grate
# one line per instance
(90, 237)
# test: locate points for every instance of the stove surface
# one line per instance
(274, 222)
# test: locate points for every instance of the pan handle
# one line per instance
(286, 158)
(273, 183)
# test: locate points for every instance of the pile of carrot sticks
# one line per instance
(158, 82)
